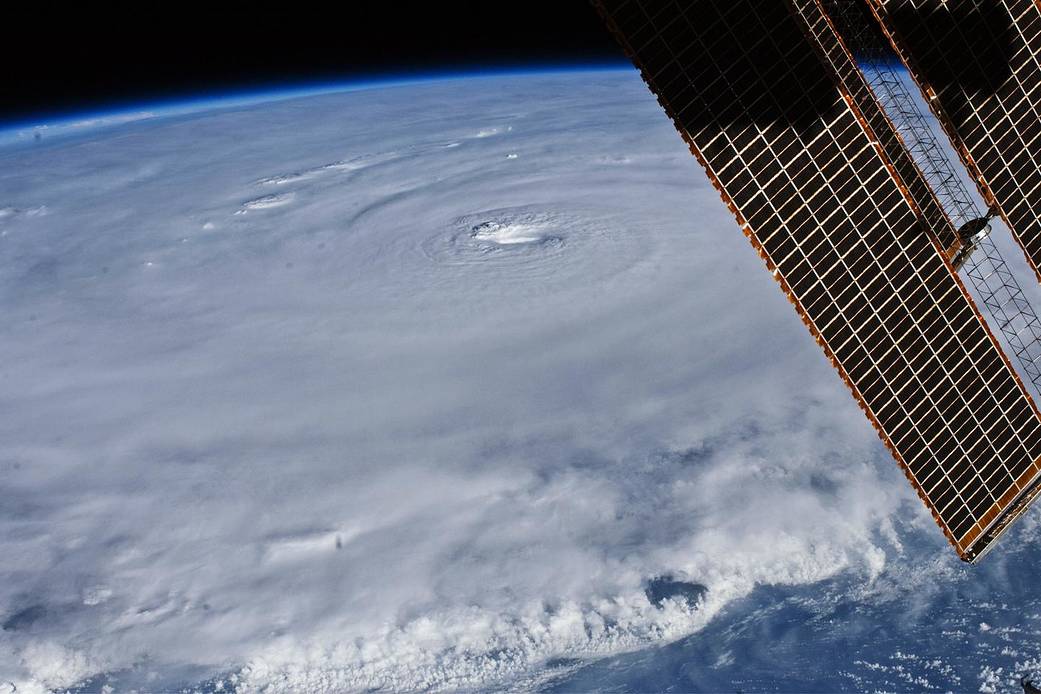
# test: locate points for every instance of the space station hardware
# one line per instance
(977, 64)
(833, 174)
(976, 255)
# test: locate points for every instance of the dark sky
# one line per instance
(94, 55)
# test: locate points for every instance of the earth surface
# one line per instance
(468, 383)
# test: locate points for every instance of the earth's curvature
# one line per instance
(464, 384)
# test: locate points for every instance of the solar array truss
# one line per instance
(771, 103)
(979, 68)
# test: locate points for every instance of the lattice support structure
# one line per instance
(988, 272)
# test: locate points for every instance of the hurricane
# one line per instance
(461, 384)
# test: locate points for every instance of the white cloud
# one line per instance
(349, 447)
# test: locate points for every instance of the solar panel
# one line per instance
(978, 66)
(766, 99)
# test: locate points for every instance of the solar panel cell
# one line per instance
(771, 103)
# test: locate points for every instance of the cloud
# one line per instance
(340, 444)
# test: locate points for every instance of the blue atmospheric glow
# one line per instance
(86, 119)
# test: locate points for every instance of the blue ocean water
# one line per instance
(968, 629)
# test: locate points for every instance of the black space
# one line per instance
(59, 58)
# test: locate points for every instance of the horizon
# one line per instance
(115, 111)
(122, 111)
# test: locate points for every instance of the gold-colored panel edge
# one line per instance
(1004, 522)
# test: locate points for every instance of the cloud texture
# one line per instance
(404, 388)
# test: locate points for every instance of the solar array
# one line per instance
(978, 65)
(771, 104)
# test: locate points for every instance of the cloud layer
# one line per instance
(405, 388)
